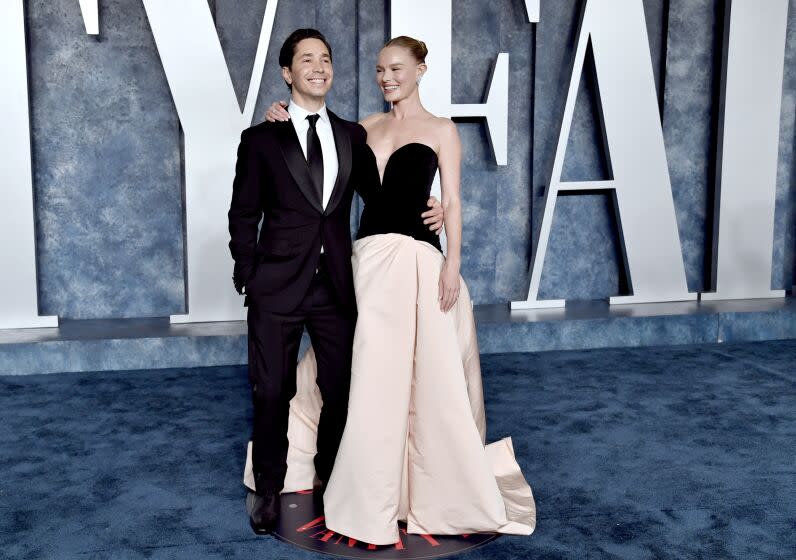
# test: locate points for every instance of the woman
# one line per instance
(413, 447)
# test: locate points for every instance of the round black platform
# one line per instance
(301, 523)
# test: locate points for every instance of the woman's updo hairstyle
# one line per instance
(417, 48)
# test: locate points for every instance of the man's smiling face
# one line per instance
(310, 71)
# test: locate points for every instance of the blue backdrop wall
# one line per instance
(107, 143)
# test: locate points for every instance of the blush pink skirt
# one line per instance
(413, 447)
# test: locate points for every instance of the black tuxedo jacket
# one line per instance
(273, 183)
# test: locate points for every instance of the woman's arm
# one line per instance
(450, 159)
(277, 111)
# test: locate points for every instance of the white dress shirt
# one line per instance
(298, 115)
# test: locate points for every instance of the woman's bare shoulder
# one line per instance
(445, 130)
(443, 124)
(372, 120)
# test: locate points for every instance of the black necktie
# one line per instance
(315, 156)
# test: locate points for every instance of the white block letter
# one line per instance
(212, 121)
(746, 181)
(18, 297)
(634, 139)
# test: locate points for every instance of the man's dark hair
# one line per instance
(289, 46)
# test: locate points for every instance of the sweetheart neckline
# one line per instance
(381, 177)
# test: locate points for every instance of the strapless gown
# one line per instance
(413, 447)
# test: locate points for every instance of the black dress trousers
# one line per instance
(274, 340)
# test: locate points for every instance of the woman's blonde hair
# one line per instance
(417, 48)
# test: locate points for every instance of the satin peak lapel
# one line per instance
(297, 163)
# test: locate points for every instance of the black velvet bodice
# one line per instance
(394, 203)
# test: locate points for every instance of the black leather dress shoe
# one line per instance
(263, 511)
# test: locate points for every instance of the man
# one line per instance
(298, 177)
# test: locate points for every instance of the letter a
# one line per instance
(634, 138)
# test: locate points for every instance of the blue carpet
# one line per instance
(666, 452)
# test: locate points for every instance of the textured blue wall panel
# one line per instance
(477, 32)
(337, 19)
(107, 156)
(513, 188)
(689, 124)
(106, 165)
(238, 25)
(494, 338)
(784, 269)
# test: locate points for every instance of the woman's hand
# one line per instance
(448, 285)
(434, 218)
(277, 112)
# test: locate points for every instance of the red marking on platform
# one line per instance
(312, 524)
(304, 492)
(465, 536)
(430, 540)
(327, 536)
(351, 542)
(323, 532)
(400, 544)
(371, 547)
(338, 540)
